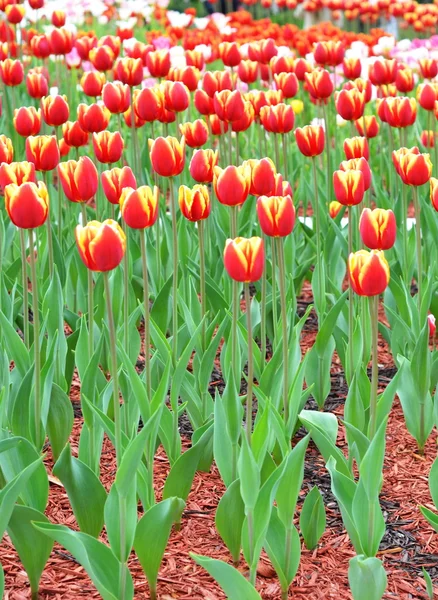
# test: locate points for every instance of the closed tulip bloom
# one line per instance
(216, 81)
(149, 104)
(383, 71)
(229, 106)
(137, 121)
(92, 83)
(433, 191)
(287, 83)
(16, 172)
(167, 116)
(55, 110)
(276, 215)
(282, 64)
(404, 81)
(232, 184)
(432, 325)
(129, 71)
(40, 46)
(108, 146)
(281, 188)
(195, 134)
(378, 228)
(229, 53)
(36, 85)
(262, 51)
(319, 84)
(334, 208)
(111, 41)
(101, 246)
(400, 111)
(350, 104)
(14, 13)
(115, 180)
(93, 118)
(167, 155)
(428, 68)
(349, 187)
(358, 164)
(329, 53)
(189, 76)
(27, 120)
(84, 45)
(6, 149)
(368, 272)
(27, 204)
(367, 126)
(362, 85)
(11, 72)
(427, 138)
(356, 147)
(139, 207)
(248, 71)
(277, 119)
(43, 152)
(79, 179)
(301, 67)
(102, 58)
(415, 169)
(398, 154)
(176, 96)
(352, 67)
(61, 41)
(217, 126)
(246, 120)
(74, 135)
(58, 18)
(158, 63)
(202, 165)
(244, 259)
(194, 58)
(310, 140)
(263, 176)
(426, 96)
(194, 202)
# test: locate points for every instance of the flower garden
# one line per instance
(218, 291)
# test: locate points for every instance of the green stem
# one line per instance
(253, 569)
(59, 198)
(25, 290)
(122, 536)
(284, 591)
(49, 231)
(318, 228)
(263, 316)
(274, 291)
(250, 365)
(175, 272)
(90, 295)
(147, 336)
(126, 292)
(277, 151)
(202, 279)
(328, 161)
(113, 353)
(236, 308)
(374, 314)
(280, 254)
(418, 243)
(350, 299)
(285, 169)
(230, 144)
(36, 339)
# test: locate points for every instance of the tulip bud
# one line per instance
(149, 104)
(368, 272)
(11, 72)
(79, 179)
(74, 135)
(194, 203)
(244, 259)
(426, 96)
(176, 96)
(281, 188)
(58, 18)
(414, 169)
(167, 156)
(277, 119)
(43, 152)
(383, 71)
(427, 139)
(246, 120)
(358, 164)
(16, 172)
(361, 85)
(202, 165)
(367, 126)
(36, 85)
(217, 126)
(310, 140)
(216, 81)
(55, 110)
(40, 46)
(404, 81)
(189, 76)
(14, 13)
(297, 106)
(194, 58)
(352, 68)
(356, 147)
(115, 180)
(27, 204)
(27, 121)
(101, 246)
(276, 215)
(229, 106)
(263, 176)
(349, 187)
(399, 112)
(61, 41)
(432, 325)
(319, 84)
(378, 228)
(287, 83)
(139, 207)
(102, 58)
(195, 134)
(129, 71)
(433, 192)
(247, 71)
(334, 208)
(92, 83)
(428, 67)
(282, 64)
(158, 63)
(93, 118)
(108, 146)
(350, 104)
(329, 53)
(262, 51)
(229, 53)
(232, 184)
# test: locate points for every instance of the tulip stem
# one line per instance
(147, 335)
(327, 145)
(435, 146)
(418, 243)
(126, 293)
(318, 231)
(277, 151)
(274, 291)
(230, 144)
(280, 254)
(374, 314)
(285, 169)
(49, 232)
(25, 290)
(113, 353)
(250, 366)
(175, 272)
(263, 317)
(90, 296)
(36, 339)
(202, 278)
(350, 300)
(59, 197)
(236, 306)
(135, 161)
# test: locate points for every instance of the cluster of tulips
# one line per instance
(191, 186)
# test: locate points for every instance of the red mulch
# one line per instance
(322, 573)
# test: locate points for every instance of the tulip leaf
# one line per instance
(233, 583)
(249, 475)
(14, 345)
(59, 420)
(284, 549)
(222, 445)
(429, 584)
(118, 506)
(312, 518)
(230, 514)
(290, 482)
(367, 578)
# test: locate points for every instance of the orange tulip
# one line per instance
(74, 135)
(367, 126)
(27, 120)
(129, 71)
(102, 58)
(229, 106)
(158, 63)
(93, 118)
(356, 147)
(79, 179)
(108, 146)
(319, 84)
(36, 85)
(276, 215)
(400, 111)
(11, 72)
(139, 207)
(202, 165)
(92, 83)
(329, 53)
(55, 110)
(232, 184)
(368, 272)
(352, 67)
(16, 172)
(334, 208)
(349, 187)
(358, 164)
(167, 156)
(248, 71)
(414, 169)
(43, 152)
(101, 245)
(263, 176)
(287, 83)
(27, 204)
(115, 180)
(433, 191)
(149, 104)
(428, 67)
(194, 202)
(195, 134)
(244, 259)
(404, 81)
(383, 71)
(378, 228)
(176, 96)
(229, 53)
(277, 119)
(310, 140)
(426, 95)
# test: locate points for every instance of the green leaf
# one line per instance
(97, 559)
(32, 546)
(433, 481)
(76, 477)
(431, 517)
(290, 483)
(312, 518)
(367, 578)
(233, 583)
(14, 345)
(249, 474)
(230, 514)
(118, 506)
(222, 445)
(283, 549)
(152, 535)
(429, 584)
(59, 420)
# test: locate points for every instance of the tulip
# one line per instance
(111, 41)
(378, 228)
(297, 106)
(139, 207)
(398, 154)
(216, 81)
(414, 169)
(101, 246)
(92, 83)
(11, 72)
(383, 71)
(400, 111)
(195, 134)
(27, 204)
(217, 126)
(158, 63)
(137, 121)
(310, 140)
(74, 135)
(14, 13)
(176, 96)
(276, 215)
(356, 147)
(358, 164)
(84, 45)
(361, 85)
(194, 58)
(194, 202)
(79, 179)
(277, 119)
(427, 139)
(247, 71)
(352, 67)
(281, 188)
(263, 177)
(189, 76)
(334, 209)
(329, 53)
(16, 172)
(40, 46)
(108, 146)
(55, 110)
(202, 165)
(319, 84)
(368, 272)
(229, 53)
(432, 325)
(287, 83)
(426, 96)
(245, 121)
(43, 152)
(428, 67)
(367, 126)
(404, 81)
(349, 187)
(58, 18)
(301, 67)
(129, 71)
(115, 180)
(27, 121)
(262, 51)
(433, 191)
(36, 85)
(61, 41)
(282, 64)
(167, 156)
(102, 58)
(149, 104)
(167, 116)
(232, 184)
(6, 149)
(229, 106)
(350, 104)
(93, 118)
(244, 259)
